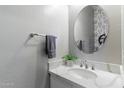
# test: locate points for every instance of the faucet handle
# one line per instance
(81, 65)
(92, 67)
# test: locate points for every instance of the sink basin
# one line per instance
(82, 73)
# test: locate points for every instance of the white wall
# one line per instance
(20, 59)
(122, 35)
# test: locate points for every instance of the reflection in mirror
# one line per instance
(91, 29)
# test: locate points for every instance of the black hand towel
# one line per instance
(51, 46)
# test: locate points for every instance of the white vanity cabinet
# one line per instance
(59, 82)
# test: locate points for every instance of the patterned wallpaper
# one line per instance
(101, 26)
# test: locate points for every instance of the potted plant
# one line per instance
(69, 59)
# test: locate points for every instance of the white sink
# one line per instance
(82, 73)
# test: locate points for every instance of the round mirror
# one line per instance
(91, 29)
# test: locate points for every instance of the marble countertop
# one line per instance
(104, 79)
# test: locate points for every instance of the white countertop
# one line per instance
(103, 80)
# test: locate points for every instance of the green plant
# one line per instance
(69, 57)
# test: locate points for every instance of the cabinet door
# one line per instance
(58, 82)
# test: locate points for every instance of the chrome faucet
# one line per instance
(85, 63)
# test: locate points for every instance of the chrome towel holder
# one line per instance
(35, 34)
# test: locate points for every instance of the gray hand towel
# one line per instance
(51, 46)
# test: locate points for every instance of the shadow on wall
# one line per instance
(42, 78)
(32, 69)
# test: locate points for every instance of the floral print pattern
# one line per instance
(101, 25)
